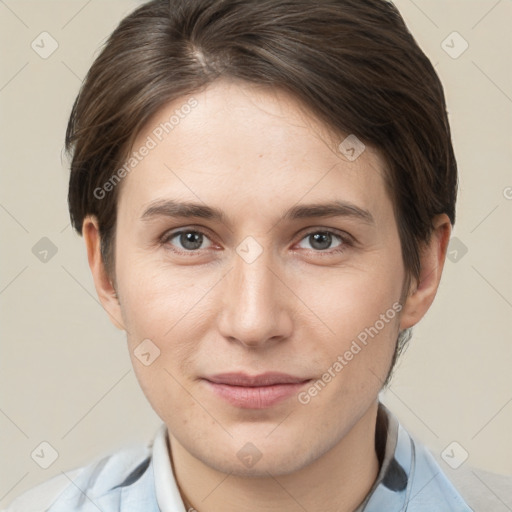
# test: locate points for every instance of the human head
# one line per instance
(352, 65)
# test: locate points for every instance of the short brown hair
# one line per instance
(352, 63)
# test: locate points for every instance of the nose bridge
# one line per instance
(254, 308)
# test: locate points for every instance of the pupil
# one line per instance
(321, 240)
(191, 240)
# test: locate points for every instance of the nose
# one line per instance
(256, 304)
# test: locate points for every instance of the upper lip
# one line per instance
(264, 379)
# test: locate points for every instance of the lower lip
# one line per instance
(259, 397)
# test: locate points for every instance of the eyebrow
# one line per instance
(172, 208)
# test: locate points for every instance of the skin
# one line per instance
(254, 153)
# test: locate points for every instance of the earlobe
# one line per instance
(432, 258)
(102, 281)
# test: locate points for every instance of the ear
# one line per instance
(432, 258)
(103, 283)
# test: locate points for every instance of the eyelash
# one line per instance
(346, 241)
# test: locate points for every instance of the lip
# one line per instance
(257, 391)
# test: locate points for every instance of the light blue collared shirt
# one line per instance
(142, 479)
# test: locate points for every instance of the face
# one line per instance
(256, 280)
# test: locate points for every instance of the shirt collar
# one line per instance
(167, 493)
(394, 448)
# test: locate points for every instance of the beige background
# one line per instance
(66, 377)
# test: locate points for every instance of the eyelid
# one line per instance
(347, 239)
(171, 233)
(342, 234)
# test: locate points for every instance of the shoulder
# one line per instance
(39, 498)
(430, 486)
(482, 489)
(104, 481)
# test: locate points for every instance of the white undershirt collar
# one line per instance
(168, 495)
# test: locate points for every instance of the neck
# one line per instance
(337, 481)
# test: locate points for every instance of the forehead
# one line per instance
(251, 148)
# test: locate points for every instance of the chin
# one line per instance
(257, 458)
(269, 464)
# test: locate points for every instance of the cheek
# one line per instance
(170, 307)
(357, 315)
(346, 301)
(157, 299)
(159, 309)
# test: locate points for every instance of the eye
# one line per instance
(188, 240)
(322, 240)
